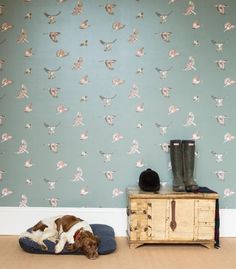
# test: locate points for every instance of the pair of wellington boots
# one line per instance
(182, 154)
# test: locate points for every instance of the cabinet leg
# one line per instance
(209, 245)
(134, 245)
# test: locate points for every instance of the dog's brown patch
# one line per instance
(39, 226)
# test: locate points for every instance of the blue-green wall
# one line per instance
(19, 183)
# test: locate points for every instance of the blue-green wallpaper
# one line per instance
(92, 92)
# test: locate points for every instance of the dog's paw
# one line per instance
(70, 247)
(58, 248)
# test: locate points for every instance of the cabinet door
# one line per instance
(183, 214)
(159, 219)
(204, 219)
(139, 228)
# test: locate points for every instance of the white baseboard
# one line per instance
(14, 220)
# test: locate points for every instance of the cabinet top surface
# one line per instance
(167, 192)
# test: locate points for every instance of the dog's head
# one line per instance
(87, 243)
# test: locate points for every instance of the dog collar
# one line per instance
(77, 235)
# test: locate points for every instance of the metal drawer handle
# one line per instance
(173, 223)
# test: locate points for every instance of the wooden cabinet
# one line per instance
(170, 217)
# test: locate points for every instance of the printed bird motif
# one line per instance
(196, 80)
(54, 36)
(116, 192)
(196, 25)
(165, 147)
(140, 107)
(78, 9)
(220, 174)
(84, 135)
(134, 93)
(51, 183)
(107, 101)
(190, 10)
(78, 64)
(228, 26)
(116, 137)
(134, 147)
(163, 72)
(139, 164)
(24, 200)
(53, 201)
(23, 148)
(54, 147)
(78, 120)
(84, 191)
(108, 45)
(28, 52)
(110, 119)
(165, 91)
(218, 156)
(84, 25)
(163, 17)
(229, 82)
(173, 53)
(196, 136)
(84, 80)
(134, 36)
(106, 156)
(140, 15)
(62, 53)
(140, 52)
(109, 64)
(84, 43)
(117, 81)
(51, 18)
(118, 25)
(28, 16)
(221, 64)
(221, 119)
(166, 36)
(109, 8)
(228, 193)
(78, 175)
(228, 137)
(51, 72)
(6, 26)
(190, 64)
(109, 175)
(28, 71)
(218, 45)
(54, 91)
(61, 109)
(218, 101)
(190, 120)
(173, 109)
(162, 128)
(6, 137)
(51, 128)
(221, 8)
(28, 108)
(61, 164)
(22, 38)
(5, 192)
(23, 92)
(28, 163)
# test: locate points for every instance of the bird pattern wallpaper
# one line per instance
(92, 92)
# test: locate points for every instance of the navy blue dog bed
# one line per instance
(104, 232)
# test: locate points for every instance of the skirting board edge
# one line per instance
(15, 220)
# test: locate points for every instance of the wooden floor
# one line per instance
(144, 257)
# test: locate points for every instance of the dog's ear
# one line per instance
(98, 240)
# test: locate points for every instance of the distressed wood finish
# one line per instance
(170, 217)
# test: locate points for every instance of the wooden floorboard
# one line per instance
(144, 257)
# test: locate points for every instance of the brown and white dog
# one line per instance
(67, 230)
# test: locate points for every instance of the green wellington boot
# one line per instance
(188, 148)
(177, 165)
